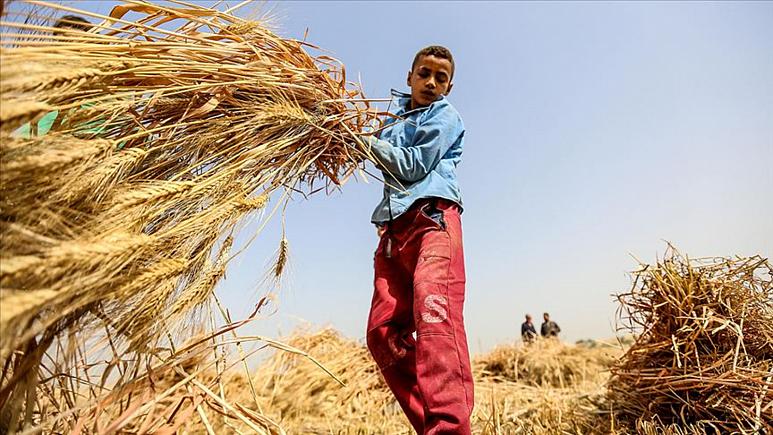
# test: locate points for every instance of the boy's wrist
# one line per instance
(360, 141)
(367, 143)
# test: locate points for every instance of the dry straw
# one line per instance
(297, 396)
(704, 356)
(303, 399)
(175, 122)
(550, 363)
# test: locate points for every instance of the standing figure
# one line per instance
(419, 262)
(549, 328)
(528, 333)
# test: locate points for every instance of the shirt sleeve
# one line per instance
(432, 139)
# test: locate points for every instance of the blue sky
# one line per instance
(595, 131)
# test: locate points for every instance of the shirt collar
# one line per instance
(404, 102)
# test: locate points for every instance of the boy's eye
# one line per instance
(423, 74)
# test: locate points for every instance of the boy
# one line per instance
(419, 262)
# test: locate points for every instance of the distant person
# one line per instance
(71, 22)
(528, 333)
(549, 328)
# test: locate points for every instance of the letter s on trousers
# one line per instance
(436, 312)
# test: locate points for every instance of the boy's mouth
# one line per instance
(428, 94)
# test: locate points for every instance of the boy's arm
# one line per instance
(431, 141)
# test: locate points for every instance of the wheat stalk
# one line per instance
(118, 223)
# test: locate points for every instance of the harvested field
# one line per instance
(302, 398)
(548, 387)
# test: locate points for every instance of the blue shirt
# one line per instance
(418, 155)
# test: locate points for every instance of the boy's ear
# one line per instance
(448, 91)
(408, 79)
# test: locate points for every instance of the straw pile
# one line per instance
(175, 123)
(546, 387)
(351, 396)
(705, 354)
(549, 363)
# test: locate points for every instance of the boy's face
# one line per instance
(429, 79)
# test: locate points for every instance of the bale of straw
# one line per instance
(175, 122)
(704, 355)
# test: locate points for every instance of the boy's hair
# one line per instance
(73, 22)
(437, 51)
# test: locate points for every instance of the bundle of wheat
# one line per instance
(174, 122)
(705, 354)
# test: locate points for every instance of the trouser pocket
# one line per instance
(432, 212)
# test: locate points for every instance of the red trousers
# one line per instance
(419, 287)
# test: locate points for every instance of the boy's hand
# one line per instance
(364, 142)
